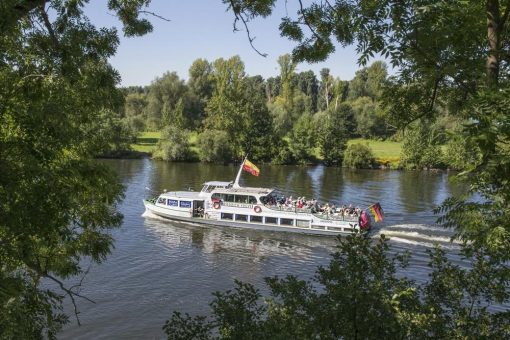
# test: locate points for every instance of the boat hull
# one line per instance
(185, 216)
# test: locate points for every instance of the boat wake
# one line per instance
(426, 235)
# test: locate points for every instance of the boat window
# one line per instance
(229, 198)
(241, 199)
(210, 188)
(204, 188)
(320, 227)
(161, 200)
(185, 204)
(286, 221)
(271, 220)
(348, 229)
(256, 219)
(225, 216)
(335, 228)
(243, 218)
(252, 200)
(302, 223)
(173, 203)
(217, 196)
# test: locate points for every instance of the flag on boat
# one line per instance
(377, 211)
(251, 168)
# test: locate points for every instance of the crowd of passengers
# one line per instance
(313, 205)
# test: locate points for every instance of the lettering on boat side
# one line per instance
(238, 205)
(185, 204)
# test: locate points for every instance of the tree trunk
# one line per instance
(493, 36)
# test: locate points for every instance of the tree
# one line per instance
(325, 90)
(55, 86)
(358, 156)
(359, 295)
(421, 148)
(258, 138)
(214, 147)
(201, 85)
(302, 139)
(224, 109)
(332, 133)
(173, 144)
(308, 84)
(165, 101)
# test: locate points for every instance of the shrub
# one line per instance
(214, 146)
(358, 156)
(421, 148)
(173, 145)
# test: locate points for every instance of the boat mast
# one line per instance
(236, 182)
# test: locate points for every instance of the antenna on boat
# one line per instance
(236, 182)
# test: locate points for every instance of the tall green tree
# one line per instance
(225, 108)
(58, 204)
(201, 84)
(332, 133)
(167, 101)
(258, 138)
(302, 139)
(325, 90)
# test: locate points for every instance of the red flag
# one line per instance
(251, 168)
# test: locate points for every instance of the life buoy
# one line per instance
(257, 209)
(216, 205)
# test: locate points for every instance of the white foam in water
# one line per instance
(428, 227)
(412, 234)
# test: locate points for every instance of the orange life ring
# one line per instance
(216, 205)
(257, 209)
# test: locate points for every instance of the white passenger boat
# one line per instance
(228, 204)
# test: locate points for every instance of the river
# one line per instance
(161, 266)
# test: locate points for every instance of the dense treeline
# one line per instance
(281, 119)
(294, 117)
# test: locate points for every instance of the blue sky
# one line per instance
(203, 29)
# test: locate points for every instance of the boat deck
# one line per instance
(181, 194)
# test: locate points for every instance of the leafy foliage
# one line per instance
(173, 145)
(58, 205)
(421, 148)
(358, 156)
(360, 295)
(214, 146)
(332, 133)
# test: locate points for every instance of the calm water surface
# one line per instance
(161, 266)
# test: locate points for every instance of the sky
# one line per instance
(204, 29)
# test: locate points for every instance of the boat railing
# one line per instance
(336, 217)
(289, 209)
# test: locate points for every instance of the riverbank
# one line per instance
(386, 153)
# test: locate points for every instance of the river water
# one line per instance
(160, 266)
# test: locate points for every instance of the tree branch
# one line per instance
(314, 33)
(239, 16)
(155, 15)
(48, 26)
(70, 293)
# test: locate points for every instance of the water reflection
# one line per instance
(418, 190)
(214, 240)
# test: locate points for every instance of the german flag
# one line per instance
(251, 168)
(377, 211)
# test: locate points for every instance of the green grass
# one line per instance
(381, 149)
(385, 152)
(147, 141)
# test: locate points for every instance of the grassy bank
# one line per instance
(147, 142)
(386, 152)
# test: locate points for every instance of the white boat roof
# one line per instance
(246, 190)
(218, 183)
(181, 194)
